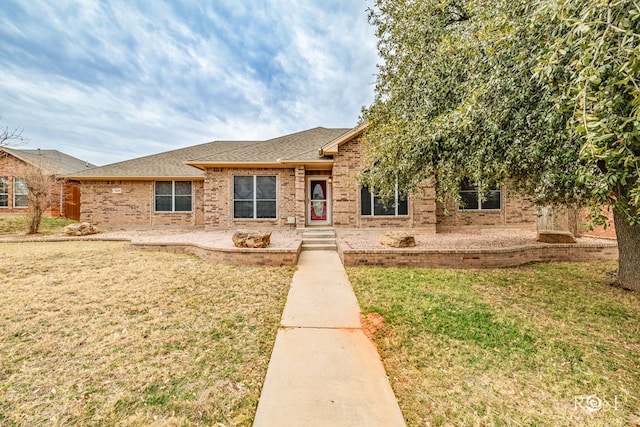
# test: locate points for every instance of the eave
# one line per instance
(134, 178)
(281, 164)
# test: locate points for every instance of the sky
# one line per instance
(111, 80)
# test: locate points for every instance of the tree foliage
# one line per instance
(597, 43)
(543, 93)
(496, 90)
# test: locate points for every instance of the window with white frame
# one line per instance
(371, 204)
(254, 197)
(473, 200)
(173, 196)
(4, 192)
(20, 193)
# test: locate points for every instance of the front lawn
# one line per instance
(17, 224)
(539, 345)
(97, 333)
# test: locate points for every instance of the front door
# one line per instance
(318, 207)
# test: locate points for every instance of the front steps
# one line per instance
(319, 239)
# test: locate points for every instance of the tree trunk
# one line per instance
(628, 252)
(34, 219)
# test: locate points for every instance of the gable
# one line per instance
(333, 146)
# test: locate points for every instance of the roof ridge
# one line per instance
(317, 127)
(302, 131)
(230, 149)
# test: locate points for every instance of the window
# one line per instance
(173, 196)
(4, 192)
(471, 199)
(20, 193)
(254, 197)
(371, 205)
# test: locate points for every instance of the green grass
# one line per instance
(17, 224)
(508, 347)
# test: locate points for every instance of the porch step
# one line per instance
(319, 239)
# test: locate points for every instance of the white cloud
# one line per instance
(112, 80)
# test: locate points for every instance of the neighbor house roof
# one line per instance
(52, 161)
(296, 148)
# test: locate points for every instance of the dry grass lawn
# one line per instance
(97, 333)
(538, 345)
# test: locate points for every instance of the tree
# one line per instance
(38, 186)
(543, 93)
(8, 135)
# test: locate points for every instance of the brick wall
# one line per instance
(113, 203)
(348, 163)
(218, 198)
(600, 231)
(516, 212)
(270, 257)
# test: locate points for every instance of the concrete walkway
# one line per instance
(323, 370)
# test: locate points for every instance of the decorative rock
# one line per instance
(548, 236)
(251, 239)
(397, 239)
(80, 229)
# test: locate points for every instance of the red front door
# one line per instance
(318, 200)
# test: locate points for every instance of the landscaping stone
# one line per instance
(252, 239)
(80, 229)
(398, 239)
(548, 236)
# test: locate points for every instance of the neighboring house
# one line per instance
(65, 200)
(300, 180)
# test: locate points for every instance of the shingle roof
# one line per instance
(169, 164)
(297, 147)
(52, 161)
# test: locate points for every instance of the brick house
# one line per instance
(299, 180)
(65, 195)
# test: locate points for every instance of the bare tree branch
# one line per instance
(10, 136)
(39, 185)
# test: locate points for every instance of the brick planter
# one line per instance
(236, 256)
(478, 258)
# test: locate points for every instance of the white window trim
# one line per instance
(6, 178)
(173, 196)
(396, 204)
(254, 200)
(16, 194)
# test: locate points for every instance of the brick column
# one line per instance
(211, 217)
(300, 205)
